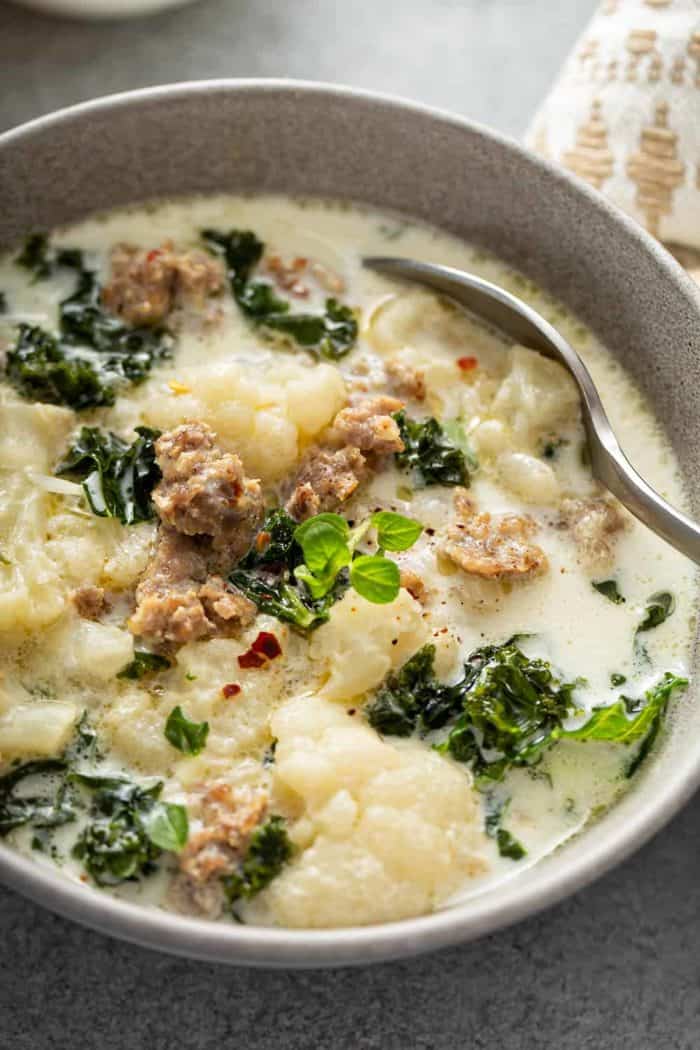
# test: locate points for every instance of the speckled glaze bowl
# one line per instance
(315, 140)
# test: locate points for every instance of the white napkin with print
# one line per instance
(624, 114)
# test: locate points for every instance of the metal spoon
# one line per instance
(524, 325)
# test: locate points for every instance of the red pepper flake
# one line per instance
(467, 364)
(251, 659)
(267, 644)
(230, 690)
(264, 648)
(152, 255)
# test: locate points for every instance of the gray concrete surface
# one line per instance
(613, 968)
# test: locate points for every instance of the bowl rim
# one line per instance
(151, 927)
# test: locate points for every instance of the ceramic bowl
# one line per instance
(316, 140)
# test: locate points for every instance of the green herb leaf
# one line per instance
(617, 679)
(375, 578)
(324, 542)
(659, 607)
(609, 590)
(269, 850)
(166, 825)
(144, 663)
(188, 737)
(429, 451)
(394, 531)
(117, 478)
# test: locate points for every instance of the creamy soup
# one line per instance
(311, 612)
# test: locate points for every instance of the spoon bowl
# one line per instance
(511, 316)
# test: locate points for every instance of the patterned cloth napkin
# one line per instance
(624, 114)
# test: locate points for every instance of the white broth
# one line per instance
(200, 750)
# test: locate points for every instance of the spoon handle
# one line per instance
(524, 325)
(615, 471)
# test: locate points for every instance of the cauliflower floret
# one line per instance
(384, 830)
(362, 642)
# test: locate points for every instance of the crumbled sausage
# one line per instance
(492, 547)
(209, 512)
(229, 817)
(369, 426)
(204, 491)
(357, 437)
(413, 584)
(288, 275)
(595, 525)
(145, 287)
(325, 480)
(329, 280)
(177, 602)
(90, 602)
(406, 381)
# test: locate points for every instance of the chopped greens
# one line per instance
(430, 452)
(506, 711)
(144, 663)
(93, 354)
(613, 724)
(509, 846)
(129, 829)
(128, 826)
(3, 303)
(45, 809)
(329, 335)
(117, 478)
(188, 737)
(297, 572)
(269, 850)
(266, 575)
(609, 590)
(659, 607)
(617, 679)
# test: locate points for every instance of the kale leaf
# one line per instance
(330, 335)
(129, 829)
(42, 368)
(508, 710)
(269, 850)
(613, 724)
(501, 714)
(609, 590)
(659, 607)
(44, 810)
(508, 845)
(429, 451)
(144, 663)
(93, 354)
(512, 710)
(413, 698)
(117, 478)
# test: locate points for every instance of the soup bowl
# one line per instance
(313, 140)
